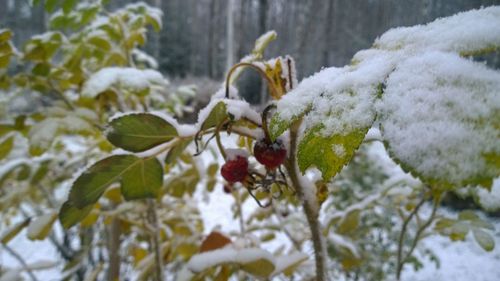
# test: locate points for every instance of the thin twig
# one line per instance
(21, 261)
(400, 262)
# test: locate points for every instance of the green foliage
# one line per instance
(140, 178)
(457, 229)
(216, 116)
(69, 215)
(139, 132)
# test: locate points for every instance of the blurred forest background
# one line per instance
(317, 33)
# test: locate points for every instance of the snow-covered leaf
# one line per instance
(132, 79)
(140, 131)
(253, 260)
(484, 239)
(40, 227)
(439, 117)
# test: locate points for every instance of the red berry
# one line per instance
(269, 154)
(235, 170)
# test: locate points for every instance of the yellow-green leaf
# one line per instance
(13, 231)
(216, 116)
(484, 239)
(40, 227)
(6, 147)
(261, 267)
(328, 154)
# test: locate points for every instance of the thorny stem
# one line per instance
(260, 71)
(21, 261)
(153, 220)
(309, 210)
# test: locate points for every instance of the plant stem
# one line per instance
(114, 250)
(400, 261)
(153, 220)
(422, 228)
(310, 211)
(260, 71)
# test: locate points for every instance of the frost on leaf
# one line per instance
(439, 117)
(40, 227)
(255, 261)
(131, 79)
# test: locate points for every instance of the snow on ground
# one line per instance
(459, 261)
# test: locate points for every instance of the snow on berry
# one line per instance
(271, 155)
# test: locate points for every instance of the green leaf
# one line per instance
(278, 126)
(100, 42)
(70, 215)
(40, 172)
(261, 267)
(6, 147)
(176, 151)
(143, 180)
(154, 23)
(50, 5)
(68, 5)
(349, 223)
(216, 116)
(185, 182)
(5, 34)
(14, 231)
(484, 239)
(42, 69)
(40, 227)
(468, 215)
(328, 154)
(140, 132)
(129, 169)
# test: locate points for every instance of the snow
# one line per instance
(438, 113)
(239, 109)
(490, 200)
(42, 134)
(143, 57)
(437, 109)
(38, 225)
(464, 32)
(264, 39)
(235, 153)
(127, 77)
